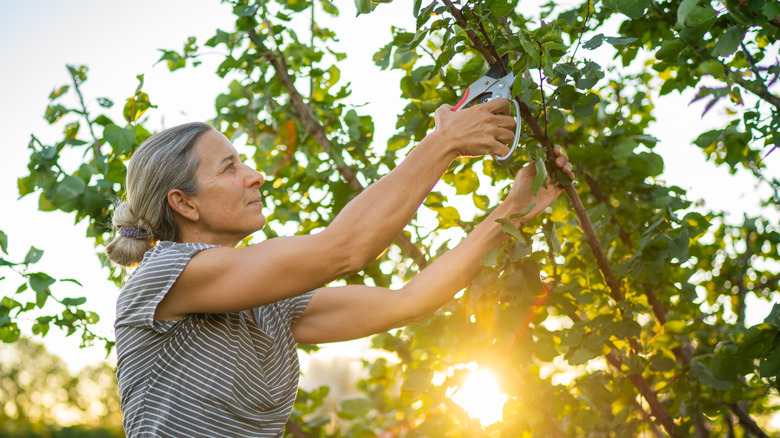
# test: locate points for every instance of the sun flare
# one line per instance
(481, 397)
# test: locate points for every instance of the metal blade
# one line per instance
(495, 69)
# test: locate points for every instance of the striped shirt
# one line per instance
(207, 374)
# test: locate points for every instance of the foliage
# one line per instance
(620, 315)
(40, 397)
(33, 295)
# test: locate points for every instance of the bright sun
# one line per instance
(481, 397)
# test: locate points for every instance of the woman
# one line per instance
(206, 332)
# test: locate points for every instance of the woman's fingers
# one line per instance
(498, 106)
(562, 161)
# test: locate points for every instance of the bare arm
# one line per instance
(229, 279)
(350, 312)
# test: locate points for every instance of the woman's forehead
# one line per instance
(212, 148)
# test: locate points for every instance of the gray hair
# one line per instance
(162, 163)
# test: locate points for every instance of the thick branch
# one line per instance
(460, 20)
(315, 129)
(657, 432)
(741, 289)
(658, 410)
(746, 422)
(595, 244)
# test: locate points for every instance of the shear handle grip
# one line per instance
(518, 120)
(463, 100)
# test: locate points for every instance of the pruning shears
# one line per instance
(491, 86)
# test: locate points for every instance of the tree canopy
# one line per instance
(621, 312)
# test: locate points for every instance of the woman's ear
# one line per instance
(182, 205)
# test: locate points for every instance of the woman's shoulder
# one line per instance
(167, 250)
(166, 255)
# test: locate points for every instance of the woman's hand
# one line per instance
(521, 196)
(482, 129)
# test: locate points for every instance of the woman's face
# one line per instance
(228, 201)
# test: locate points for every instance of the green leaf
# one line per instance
(510, 229)
(729, 42)
(500, 8)
(480, 201)
(531, 277)
(105, 102)
(661, 362)
(354, 407)
(465, 182)
(685, 10)
(769, 366)
(136, 106)
(40, 282)
(120, 139)
(382, 56)
(594, 42)
(418, 380)
(590, 74)
(9, 334)
(774, 316)
(55, 113)
(586, 104)
(540, 178)
(633, 8)
(490, 258)
(520, 250)
(33, 255)
(771, 10)
(364, 6)
(551, 237)
(615, 41)
(70, 188)
(74, 301)
(582, 356)
(59, 92)
(757, 341)
(676, 326)
(3, 242)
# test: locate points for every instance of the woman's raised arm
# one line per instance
(229, 279)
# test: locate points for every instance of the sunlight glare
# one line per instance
(481, 397)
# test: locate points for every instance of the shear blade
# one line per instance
(495, 70)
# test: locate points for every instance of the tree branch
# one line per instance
(590, 235)
(95, 141)
(460, 20)
(659, 412)
(746, 421)
(657, 432)
(315, 129)
(295, 429)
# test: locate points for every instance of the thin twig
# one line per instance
(85, 113)
(541, 86)
(583, 28)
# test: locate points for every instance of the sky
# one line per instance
(119, 40)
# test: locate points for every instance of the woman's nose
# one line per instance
(255, 177)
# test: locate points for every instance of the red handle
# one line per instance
(463, 100)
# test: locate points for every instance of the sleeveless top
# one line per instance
(207, 374)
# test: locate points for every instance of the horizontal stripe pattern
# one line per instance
(207, 374)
